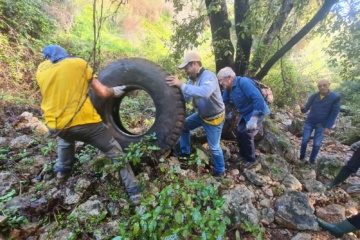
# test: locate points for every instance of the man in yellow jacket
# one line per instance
(68, 112)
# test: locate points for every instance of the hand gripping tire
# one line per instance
(137, 73)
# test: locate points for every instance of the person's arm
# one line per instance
(308, 103)
(208, 85)
(226, 97)
(101, 90)
(334, 112)
(205, 90)
(253, 93)
(173, 81)
(301, 106)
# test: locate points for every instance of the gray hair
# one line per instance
(226, 72)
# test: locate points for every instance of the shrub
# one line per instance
(181, 210)
(24, 18)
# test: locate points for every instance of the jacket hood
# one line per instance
(55, 53)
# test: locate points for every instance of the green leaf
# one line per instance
(179, 217)
(136, 229)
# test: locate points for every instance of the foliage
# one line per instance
(135, 151)
(13, 218)
(345, 34)
(127, 31)
(19, 85)
(185, 39)
(285, 84)
(182, 209)
(137, 112)
(3, 152)
(256, 231)
(23, 28)
(347, 128)
(7, 197)
(198, 159)
(87, 153)
(24, 19)
(267, 25)
(122, 33)
(349, 92)
(50, 148)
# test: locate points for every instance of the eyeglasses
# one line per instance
(188, 65)
(222, 79)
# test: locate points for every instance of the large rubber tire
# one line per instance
(137, 73)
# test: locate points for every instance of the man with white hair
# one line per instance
(252, 107)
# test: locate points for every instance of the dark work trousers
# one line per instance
(245, 140)
(354, 163)
(97, 135)
(355, 220)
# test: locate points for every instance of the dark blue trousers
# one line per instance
(245, 140)
(353, 165)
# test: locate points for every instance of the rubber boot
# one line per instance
(339, 229)
(340, 177)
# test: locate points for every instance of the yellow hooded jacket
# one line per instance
(64, 87)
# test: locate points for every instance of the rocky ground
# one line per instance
(281, 194)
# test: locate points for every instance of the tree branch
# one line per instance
(319, 16)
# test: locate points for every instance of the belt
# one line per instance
(216, 116)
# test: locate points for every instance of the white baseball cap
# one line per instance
(190, 57)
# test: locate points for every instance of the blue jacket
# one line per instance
(247, 99)
(322, 111)
(205, 93)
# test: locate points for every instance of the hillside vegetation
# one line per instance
(135, 29)
(181, 200)
(139, 29)
(145, 30)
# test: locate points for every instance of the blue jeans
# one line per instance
(213, 134)
(318, 137)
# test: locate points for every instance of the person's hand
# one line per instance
(302, 106)
(251, 125)
(119, 90)
(173, 81)
(326, 131)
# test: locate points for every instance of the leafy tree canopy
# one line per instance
(253, 35)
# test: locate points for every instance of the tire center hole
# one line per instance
(137, 112)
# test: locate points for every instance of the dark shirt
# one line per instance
(322, 111)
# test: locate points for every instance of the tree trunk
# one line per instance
(244, 39)
(264, 46)
(319, 16)
(220, 30)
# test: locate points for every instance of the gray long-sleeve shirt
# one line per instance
(205, 93)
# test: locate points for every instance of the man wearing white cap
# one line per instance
(203, 89)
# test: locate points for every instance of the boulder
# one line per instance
(293, 211)
(333, 213)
